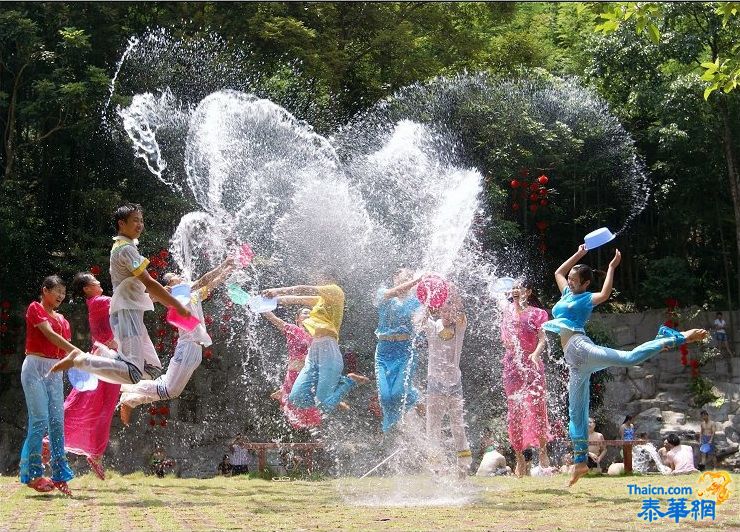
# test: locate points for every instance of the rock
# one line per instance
(650, 421)
(623, 335)
(647, 385)
(673, 418)
(638, 372)
(620, 393)
(732, 435)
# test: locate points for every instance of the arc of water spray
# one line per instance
(394, 453)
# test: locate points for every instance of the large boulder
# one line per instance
(650, 421)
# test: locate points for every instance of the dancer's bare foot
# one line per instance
(344, 406)
(67, 362)
(695, 335)
(359, 379)
(579, 470)
(126, 412)
(276, 395)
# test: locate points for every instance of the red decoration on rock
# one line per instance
(514, 183)
(208, 353)
(542, 180)
(153, 275)
(542, 225)
(152, 422)
(164, 410)
(515, 206)
(543, 202)
(533, 207)
(533, 197)
(163, 423)
(152, 411)
(164, 253)
(95, 269)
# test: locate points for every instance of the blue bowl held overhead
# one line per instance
(599, 237)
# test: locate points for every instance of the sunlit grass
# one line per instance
(138, 502)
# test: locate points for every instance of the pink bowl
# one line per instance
(432, 291)
(173, 318)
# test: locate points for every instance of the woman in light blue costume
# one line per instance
(395, 357)
(570, 315)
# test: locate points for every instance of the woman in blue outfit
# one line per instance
(395, 357)
(570, 315)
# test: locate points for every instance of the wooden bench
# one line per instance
(626, 446)
(262, 448)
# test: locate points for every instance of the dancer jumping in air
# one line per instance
(395, 356)
(320, 383)
(135, 354)
(88, 414)
(524, 373)
(445, 335)
(298, 341)
(570, 315)
(188, 351)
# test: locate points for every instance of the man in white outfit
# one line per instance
(188, 352)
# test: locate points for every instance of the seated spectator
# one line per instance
(224, 467)
(596, 446)
(493, 462)
(159, 463)
(680, 458)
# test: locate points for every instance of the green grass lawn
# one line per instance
(137, 502)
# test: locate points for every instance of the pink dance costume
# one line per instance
(88, 415)
(298, 340)
(524, 381)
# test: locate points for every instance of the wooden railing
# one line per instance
(262, 448)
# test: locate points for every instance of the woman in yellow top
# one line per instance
(320, 383)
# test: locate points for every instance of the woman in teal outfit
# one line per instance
(570, 315)
(395, 357)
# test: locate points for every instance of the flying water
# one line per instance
(395, 187)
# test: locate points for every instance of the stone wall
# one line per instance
(657, 392)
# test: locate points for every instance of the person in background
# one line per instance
(706, 438)
(596, 446)
(680, 458)
(224, 467)
(719, 331)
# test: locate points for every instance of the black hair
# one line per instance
(626, 419)
(79, 282)
(124, 211)
(673, 440)
(587, 273)
(532, 300)
(51, 282)
(703, 412)
(528, 455)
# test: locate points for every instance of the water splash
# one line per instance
(396, 186)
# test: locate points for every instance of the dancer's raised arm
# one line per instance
(277, 322)
(561, 274)
(606, 290)
(402, 288)
(216, 276)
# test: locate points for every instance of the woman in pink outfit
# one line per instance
(298, 340)
(87, 415)
(524, 373)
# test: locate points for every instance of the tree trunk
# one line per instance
(732, 175)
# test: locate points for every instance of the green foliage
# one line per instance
(668, 277)
(703, 392)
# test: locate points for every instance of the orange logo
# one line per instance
(714, 484)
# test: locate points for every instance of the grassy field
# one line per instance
(137, 502)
